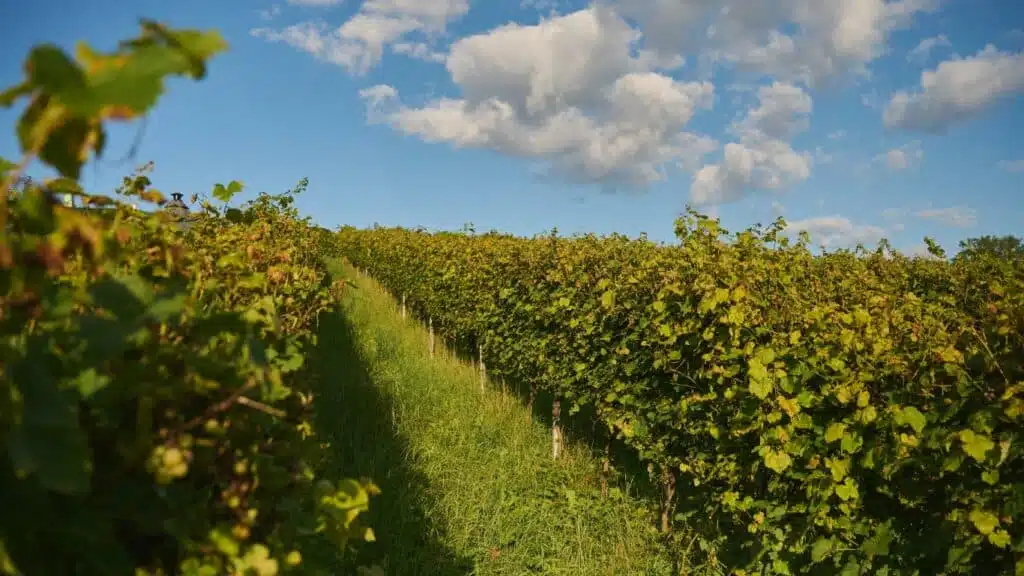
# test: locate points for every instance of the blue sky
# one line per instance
(854, 119)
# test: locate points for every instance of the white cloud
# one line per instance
(433, 14)
(904, 157)
(957, 90)
(380, 100)
(314, 38)
(596, 114)
(836, 231)
(358, 44)
(924, 48)
(598, 95)
(831, 37)
(1012, 165)
(956, 216)
(762, 159)
(379, 94)
(836, 135)
(783, 112)
(419, 51)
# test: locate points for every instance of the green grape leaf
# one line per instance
(67, 146)
(126, 296)
(821, 548)
(225, 193)
(50, 69)
(976, 445)
(910, 416)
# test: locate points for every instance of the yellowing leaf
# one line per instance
(999, 538)
(838, 467)
(777, 460)
(863, 398)
(760, 383)
(739, 293)
(951, 355)
(835, 432)
(789, 406)
(861, 317)
(976, 445)
(847, 490)
(983, 520)
(608, 299)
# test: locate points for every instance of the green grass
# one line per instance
(469, 485)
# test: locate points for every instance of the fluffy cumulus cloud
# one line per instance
(358, 44)
(836, 231)
(809, 41)
(956, 90)
(598, 114)
(762, 157)
(612, 93)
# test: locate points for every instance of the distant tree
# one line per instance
(1003, 247)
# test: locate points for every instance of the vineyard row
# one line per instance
(852, 412)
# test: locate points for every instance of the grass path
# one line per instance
(469, 486)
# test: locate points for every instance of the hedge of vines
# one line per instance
(847, 413)
(155, 400)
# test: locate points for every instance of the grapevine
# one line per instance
(155, 401)
(851, 412)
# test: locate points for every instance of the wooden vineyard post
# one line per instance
(403, 306)
(430, 342)
(556, 429)
(669, 485)
(483, 367)
(606, 465)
